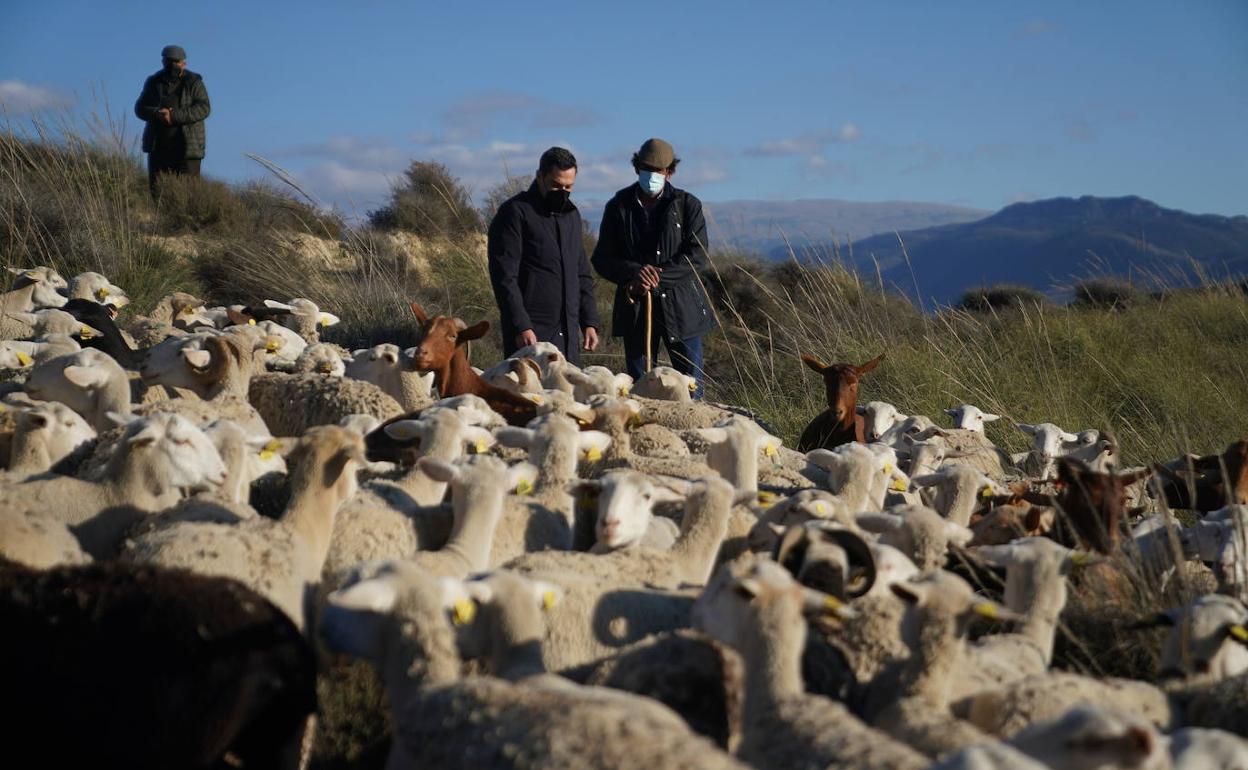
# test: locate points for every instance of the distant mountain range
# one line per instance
(1049, 244)
(762, 226)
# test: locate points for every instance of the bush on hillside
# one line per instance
(499, 193)
(1002, 296)
(430, 202)
(1106, 293)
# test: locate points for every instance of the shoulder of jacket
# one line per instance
(193, 77)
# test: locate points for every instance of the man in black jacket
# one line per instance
(653, 241)
(541, 277)
(174, 104)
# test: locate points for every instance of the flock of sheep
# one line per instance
(554, 567)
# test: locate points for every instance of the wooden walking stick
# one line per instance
(649, 330)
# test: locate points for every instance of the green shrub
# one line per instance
(430, 202)
(988, 299)
(1108, 293)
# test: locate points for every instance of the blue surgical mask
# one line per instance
(651, 181)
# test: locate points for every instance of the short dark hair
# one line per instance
(556, 157)
(637, 163)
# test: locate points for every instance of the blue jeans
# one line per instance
(685, 355)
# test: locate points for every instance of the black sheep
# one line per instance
(100, 318)
(112, 665)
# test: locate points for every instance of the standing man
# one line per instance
(174, 104)
(653, 241)
(541, 277)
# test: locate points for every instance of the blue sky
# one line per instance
(973, 103)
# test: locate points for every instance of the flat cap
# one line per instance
(656, 153)
(174, 52)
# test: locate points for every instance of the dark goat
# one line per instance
(443, 350)
(1210, 482)
(112, 665)
(1095, 504)
(839, 423)
(100, 318)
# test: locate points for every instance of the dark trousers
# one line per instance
(685, 355)
(159, 162)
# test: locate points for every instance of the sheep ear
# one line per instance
(1004, 556)
(583, 487)
(479, 439)
(926, 480)
(814, 363)
(329, 319)
(993, 611)
(197, 358)
(577, 377)
(438, 470)
(1030, 430)
(1238, 632)
(879, 522)
(521, 477)
(474, 332)
(18, 270)
(277, 305)
(593, 443)
(952, 412)
(121, 419)
(1070, 437)
(991, 417)
(713, 435)
(84, 376)
(910, 593)
(404, 430)
(375, 595)
(868, 366)
(514, 437)
(824, 458)
(419, 312)
(860, 409)
(816, 603)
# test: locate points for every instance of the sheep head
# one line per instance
(1094, 503)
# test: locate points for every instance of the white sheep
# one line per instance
(599, 380)
(281, 560)
(41, 323)
(959, 491)
(157, 460)
(285, 345)
(45, 434)
(97, 288)
(854, 471)
(1050, 442)
(387, 367)
(320, 358)
(625, 503)
(37, 540)
(663, 383)
(1207, 642)
(878, 418)
(23, 354)
(35, 288)
(972, 418)
(247, 456)
(518, 375)
(90, 382)
(305, 317)
(1221, 539)
(755, 607)
(733, 448)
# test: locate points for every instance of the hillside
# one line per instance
(763, 226)
(1046, 244)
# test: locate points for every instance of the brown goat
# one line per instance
(1211, 482)
(1095, 504)
(839, 423)
(443, 351)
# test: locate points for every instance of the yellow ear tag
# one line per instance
(85, 333)
(524, 487)
(693, 386)
(270, 449)
(1239, 633)
(832, 604)
(634, 421)
(766, 498)
(24, 359)
(465, 610)
(535, 398)
(251, 322)
(272, 345)
(888, 468)
(623, 392)
(188, 311)
(593, 453)
(548, 599)
(32, 276)
(101, 293)
(986, 610)
(897, 485)
(986, 493)
(770, 450)
(821, 508)
(481, 447)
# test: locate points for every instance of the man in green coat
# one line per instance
(174, 104)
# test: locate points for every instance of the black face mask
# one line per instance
(557, 200)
